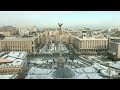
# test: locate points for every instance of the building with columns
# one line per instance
(90, 45)
(19, 44)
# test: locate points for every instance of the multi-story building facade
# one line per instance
(114, 48)
(13, 63)
(28, 31)
(53, 36)
(23, 31)
(8, 31)
(90, 45)
(19, 44)
(66, 39)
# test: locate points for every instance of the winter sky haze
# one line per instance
(69, 18)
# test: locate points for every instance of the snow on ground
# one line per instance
(95, 58)
(116, 65)
(87, 73)
(54, 49)
(99, 66)
(89, 69)
(37, 62)
(5, 76)
(81, 73)
(39, 77)
(79, 70)
(109, 73)
(38, 73)
(81, 76)
(94, 76)
(35, 70)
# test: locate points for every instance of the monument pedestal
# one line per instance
(62, 72)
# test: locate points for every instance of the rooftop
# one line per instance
(91, 38)
(12, 58)
(19, 39)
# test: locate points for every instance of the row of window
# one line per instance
(10, 70)
(14, 43)
(16, 50)
(93, 46)
(93, 50)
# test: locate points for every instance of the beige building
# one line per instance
(8, 31)
(19, 44)
(53, 36)
(114, 47)
(66, 39)
(13, 63)
(71, 39)
(90, 45)
(5, 33)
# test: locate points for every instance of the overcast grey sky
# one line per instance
(69, 18)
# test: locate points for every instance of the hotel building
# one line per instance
(90, 45)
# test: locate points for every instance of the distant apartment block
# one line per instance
(53, 36)
(27, 31)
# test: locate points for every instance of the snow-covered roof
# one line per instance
(14, 58)
(10, 58)
(19, 55)
(17, 62)
(19, 39)
(3, 60)
(91, 38)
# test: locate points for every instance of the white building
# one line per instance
(23, 31)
